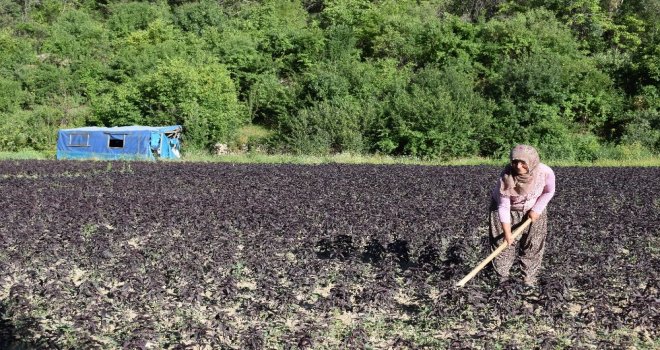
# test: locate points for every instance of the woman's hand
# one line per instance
(508, 238)
(533, 215)
(507, 233)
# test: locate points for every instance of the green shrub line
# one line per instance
(438, 79)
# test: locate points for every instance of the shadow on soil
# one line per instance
(450, 262)
(8, 339)
(343, 248)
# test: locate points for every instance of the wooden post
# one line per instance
(495, 253)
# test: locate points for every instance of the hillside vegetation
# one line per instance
(432, 79)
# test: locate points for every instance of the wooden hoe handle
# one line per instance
(492, 256)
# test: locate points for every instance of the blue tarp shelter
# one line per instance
(122, 142)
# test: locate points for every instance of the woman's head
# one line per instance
(518, 177)
(524, 159)
(519, 166)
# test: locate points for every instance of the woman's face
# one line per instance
(520, 166)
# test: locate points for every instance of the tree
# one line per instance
(440, 115)
(201, 97)
(537, 71)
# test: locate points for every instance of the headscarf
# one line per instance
(514, 184)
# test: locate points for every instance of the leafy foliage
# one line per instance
(474, 78)
(202, 98)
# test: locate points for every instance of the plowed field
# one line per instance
(220, 256)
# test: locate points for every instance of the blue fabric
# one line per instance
(125, 142)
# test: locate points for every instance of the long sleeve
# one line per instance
(548, 192)
(503, 206)
(536, 201)
(504, 209)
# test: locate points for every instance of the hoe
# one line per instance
(492, 256)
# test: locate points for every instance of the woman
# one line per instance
(523, 191)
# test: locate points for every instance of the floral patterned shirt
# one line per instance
(537, 199)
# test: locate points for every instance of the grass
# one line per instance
(340, 158)
(381, 329)
(26, 154)
(349, 158)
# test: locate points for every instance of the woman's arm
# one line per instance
(504, 213)
(545, 197)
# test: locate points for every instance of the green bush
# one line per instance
(141, 51)
(439, 116)
(557, 141)
(329, 126)
(128, 17)
(75, 36)
(14, 52)
(270, 99)
(625, 152)
(197, 16)
(405, 30)
(643, 129)
(587, 147)
(341, 103)
(119, 106)
(11, 95)
(13, 132)
(31, 129)
(202, 98)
